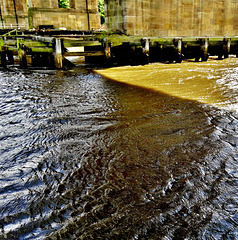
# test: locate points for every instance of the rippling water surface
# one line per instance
(83, 157)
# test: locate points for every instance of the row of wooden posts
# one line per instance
(50, 54)
(35, 50)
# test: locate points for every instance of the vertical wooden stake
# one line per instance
(180, 55)
(145, 43)
(205, 49)
(3, 53)
(21, 52)
(1, 43)
(107, 46)
(51, 60)
(180, 42)
(3, 58)
(226, 47)
(58, 54)
(146, 46)
(10, 56)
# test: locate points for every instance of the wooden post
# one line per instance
(3, 58)
(107, 48)
(10, 56)
(146, 46)
(204, 49)
(3, 53)
(145, 43)
(226, 47)
(58, 53)
(1, 43)
(21, 52)
(179, 47)
(51, 60)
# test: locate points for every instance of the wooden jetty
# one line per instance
(52, 48)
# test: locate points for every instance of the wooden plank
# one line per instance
(30, 43)
(78, 43)
(43, 39)
(216, 41)
(13, 49)
(45, 49)
(8, 33)
(86, 54)
(10, 42)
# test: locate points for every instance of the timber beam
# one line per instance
(111, 49)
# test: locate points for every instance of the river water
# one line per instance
(84, 157)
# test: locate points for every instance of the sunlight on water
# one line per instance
(84, 157)
(213, 82)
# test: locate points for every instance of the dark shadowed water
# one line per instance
(82, 157)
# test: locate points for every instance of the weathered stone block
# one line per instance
(48, 13)
(186, 17)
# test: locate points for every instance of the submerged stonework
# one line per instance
(82, 14)
(173, 17)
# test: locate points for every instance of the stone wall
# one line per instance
(11, 20)
(76, 17)
(173, 17)
(40, 12)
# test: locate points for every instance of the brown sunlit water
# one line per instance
(211, 82)
(85, 157)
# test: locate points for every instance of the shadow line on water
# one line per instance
(154, 167)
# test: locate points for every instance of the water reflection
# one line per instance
(86, 158)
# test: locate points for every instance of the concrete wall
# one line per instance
(173, 17)
(41, 12)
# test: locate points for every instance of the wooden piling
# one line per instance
(3, 58)
(51, 60)
(3, 53)
(145, 46)
(21, 49)
(145, 43)
(204, 49)
(49, 50)
(226, 47)
(107, 47)
(179, 48)
(58, 53)
(10, 57)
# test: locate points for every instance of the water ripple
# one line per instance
(86, 158)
